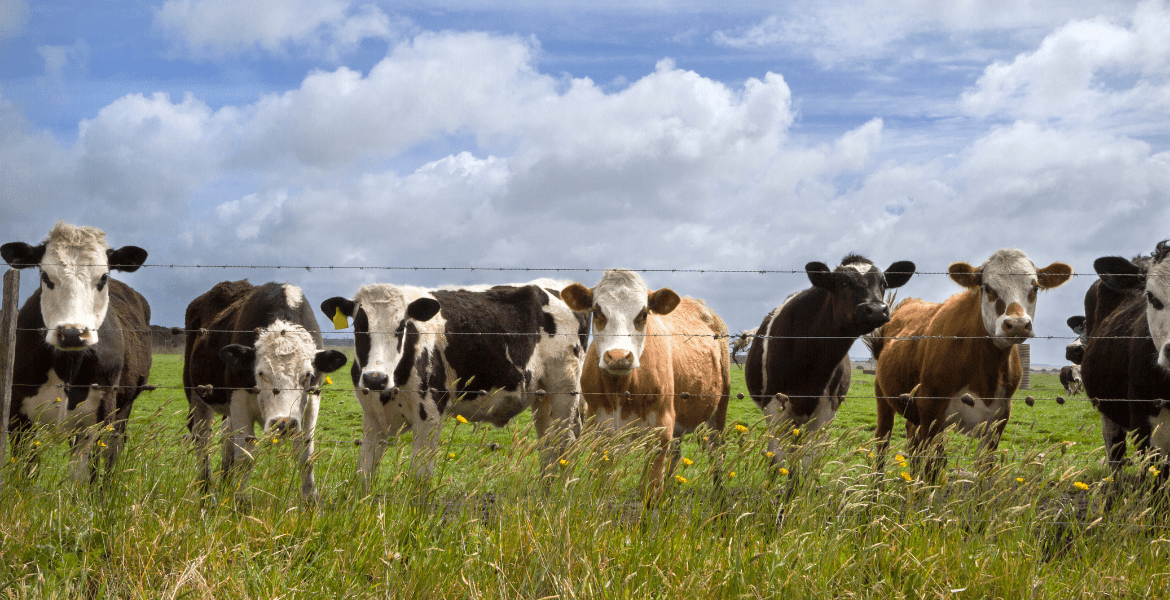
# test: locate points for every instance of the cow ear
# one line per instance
(126, 258)
(20, 255)
(1077, 324)
(899, 273)
(820, 275)
(1054, 275)
(337, 309)
(1119, 273)
(422, 309)
(578, 297)
(328, 361)
(965, 275)
(662, 301)
(238, 357)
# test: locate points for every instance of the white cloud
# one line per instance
(218, 28)
(13, 17)
(1085, 71)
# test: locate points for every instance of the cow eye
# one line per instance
(599, 319)
(990, 293)
(1154, 301)
(45, 280)
(103, 281)
(640, 320)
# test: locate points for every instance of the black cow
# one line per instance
(484, 354)
(1075, 351)
(1126, 368)
(82, 342)
(798, 369)
(255, 355)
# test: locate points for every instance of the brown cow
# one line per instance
(966, 368)
(668, 354)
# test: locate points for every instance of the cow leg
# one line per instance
(557, 419)
(885, 424)
(427, 424)
(777, 420)
(239, 442)
(1114, 437)
(308, 483)
(116, 438)
(656, 473)
(373, 446)
(927, 444)
(200, 419)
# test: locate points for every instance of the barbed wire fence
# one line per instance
(11, 299)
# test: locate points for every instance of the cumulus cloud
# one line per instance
(13, 17)
(219, 28)
(1085, 70)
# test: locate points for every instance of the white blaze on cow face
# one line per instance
(619, 305)
(1157, 314)
(380, 315)
(1008, 284)
(285, 374)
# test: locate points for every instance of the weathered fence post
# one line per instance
(7, 354)
(1026, 365)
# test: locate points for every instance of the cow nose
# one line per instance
(619, 360)
(375, 380)
(1074, 353)
(873, 311)
(284, 426)
(1017, 327)
(70, 337)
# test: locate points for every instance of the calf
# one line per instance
(957, 362)
(1070, 378)
(82, 341)
(656, 361)
(1126, 367)
(798, 369)
(485, 354)
(254, 354)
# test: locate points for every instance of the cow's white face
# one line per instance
(1157, 313)
(75, 265)
(1009, 284)
(620, 305)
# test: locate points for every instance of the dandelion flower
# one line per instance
(1019, 480)
(688, 462)
(450, 455)
(738, 427)
(769, 454)
(783, 471)
(564, 463)
(328, 380)
(1080, 485)
(871, 455)
(101, 444)
(605, 457)
(906, 476)
(460, 418)
(796, 432)
(680, 479)
(900, 459)
(731, 474)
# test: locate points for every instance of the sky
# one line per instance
(716, 140)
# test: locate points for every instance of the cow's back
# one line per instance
(900, 360)
(209, 322)
(700, 359)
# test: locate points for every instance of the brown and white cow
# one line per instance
(82, 342)
(959, 359)
(657, 361)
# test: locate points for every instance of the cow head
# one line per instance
(383, 316)
(856, 289)
(1008, 284)
(1075, 352)
(288, 370)
(75, 265)
(620, 305)
(1120, 274)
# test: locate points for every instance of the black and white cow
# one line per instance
(82, 342)
(798, 369)
(1075, 351)
(1126, 368)
(255, 355)
(482, 353)
(1070, 378)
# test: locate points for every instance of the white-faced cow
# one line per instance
(255, 355)
(1070, 378)
(798, 369)
(1126, 368)
(82, 343)
(958, 360)
(656, 361)
(485, 353)
(1075, 351)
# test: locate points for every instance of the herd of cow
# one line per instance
(254, 355)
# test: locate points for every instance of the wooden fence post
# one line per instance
(1026, 364)
(7, 354)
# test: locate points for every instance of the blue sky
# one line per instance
(648, 135)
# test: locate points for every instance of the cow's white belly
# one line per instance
(1160, 423)
(968, 418)
(44, 407)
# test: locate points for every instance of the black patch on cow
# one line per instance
(577, 351)
(407, 334)
(361, 338)
(437, 381)
(549, 325)
(554, 293)
(422, 410)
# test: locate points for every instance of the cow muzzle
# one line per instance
(283, 426)
(1017, 329)
(618, 362)
(72, 337)
(376, 381)
(1074, 353)
(872, 314)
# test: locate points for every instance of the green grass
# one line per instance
(488, 526)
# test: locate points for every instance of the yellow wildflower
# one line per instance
(680, 479)
(783, 471)
(688, 462)
(796, 432)
(731, 474)
(564, 463)
(871, 455)
(460, 418)
(451, 455)
(906, 476)
(1019, 480)
(741, 428)
(769, 454)
(901, 460)
(1080, 485)
(328, 380)
(1154, 470)
(101, 444)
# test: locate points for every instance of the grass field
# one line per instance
(1031, 524)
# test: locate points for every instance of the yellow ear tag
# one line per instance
(339, 320)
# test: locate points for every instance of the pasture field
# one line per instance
(1029, 523)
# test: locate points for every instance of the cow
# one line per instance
(254, 355)
(741, 342)
(1126, 368)
(82, 342)
(958, 362)
(798, 369)
(484, 353)
(1075, 351)
(1070, 378)
(656, 361)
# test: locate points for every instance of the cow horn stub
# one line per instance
(1030, 401)
(968, 399)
